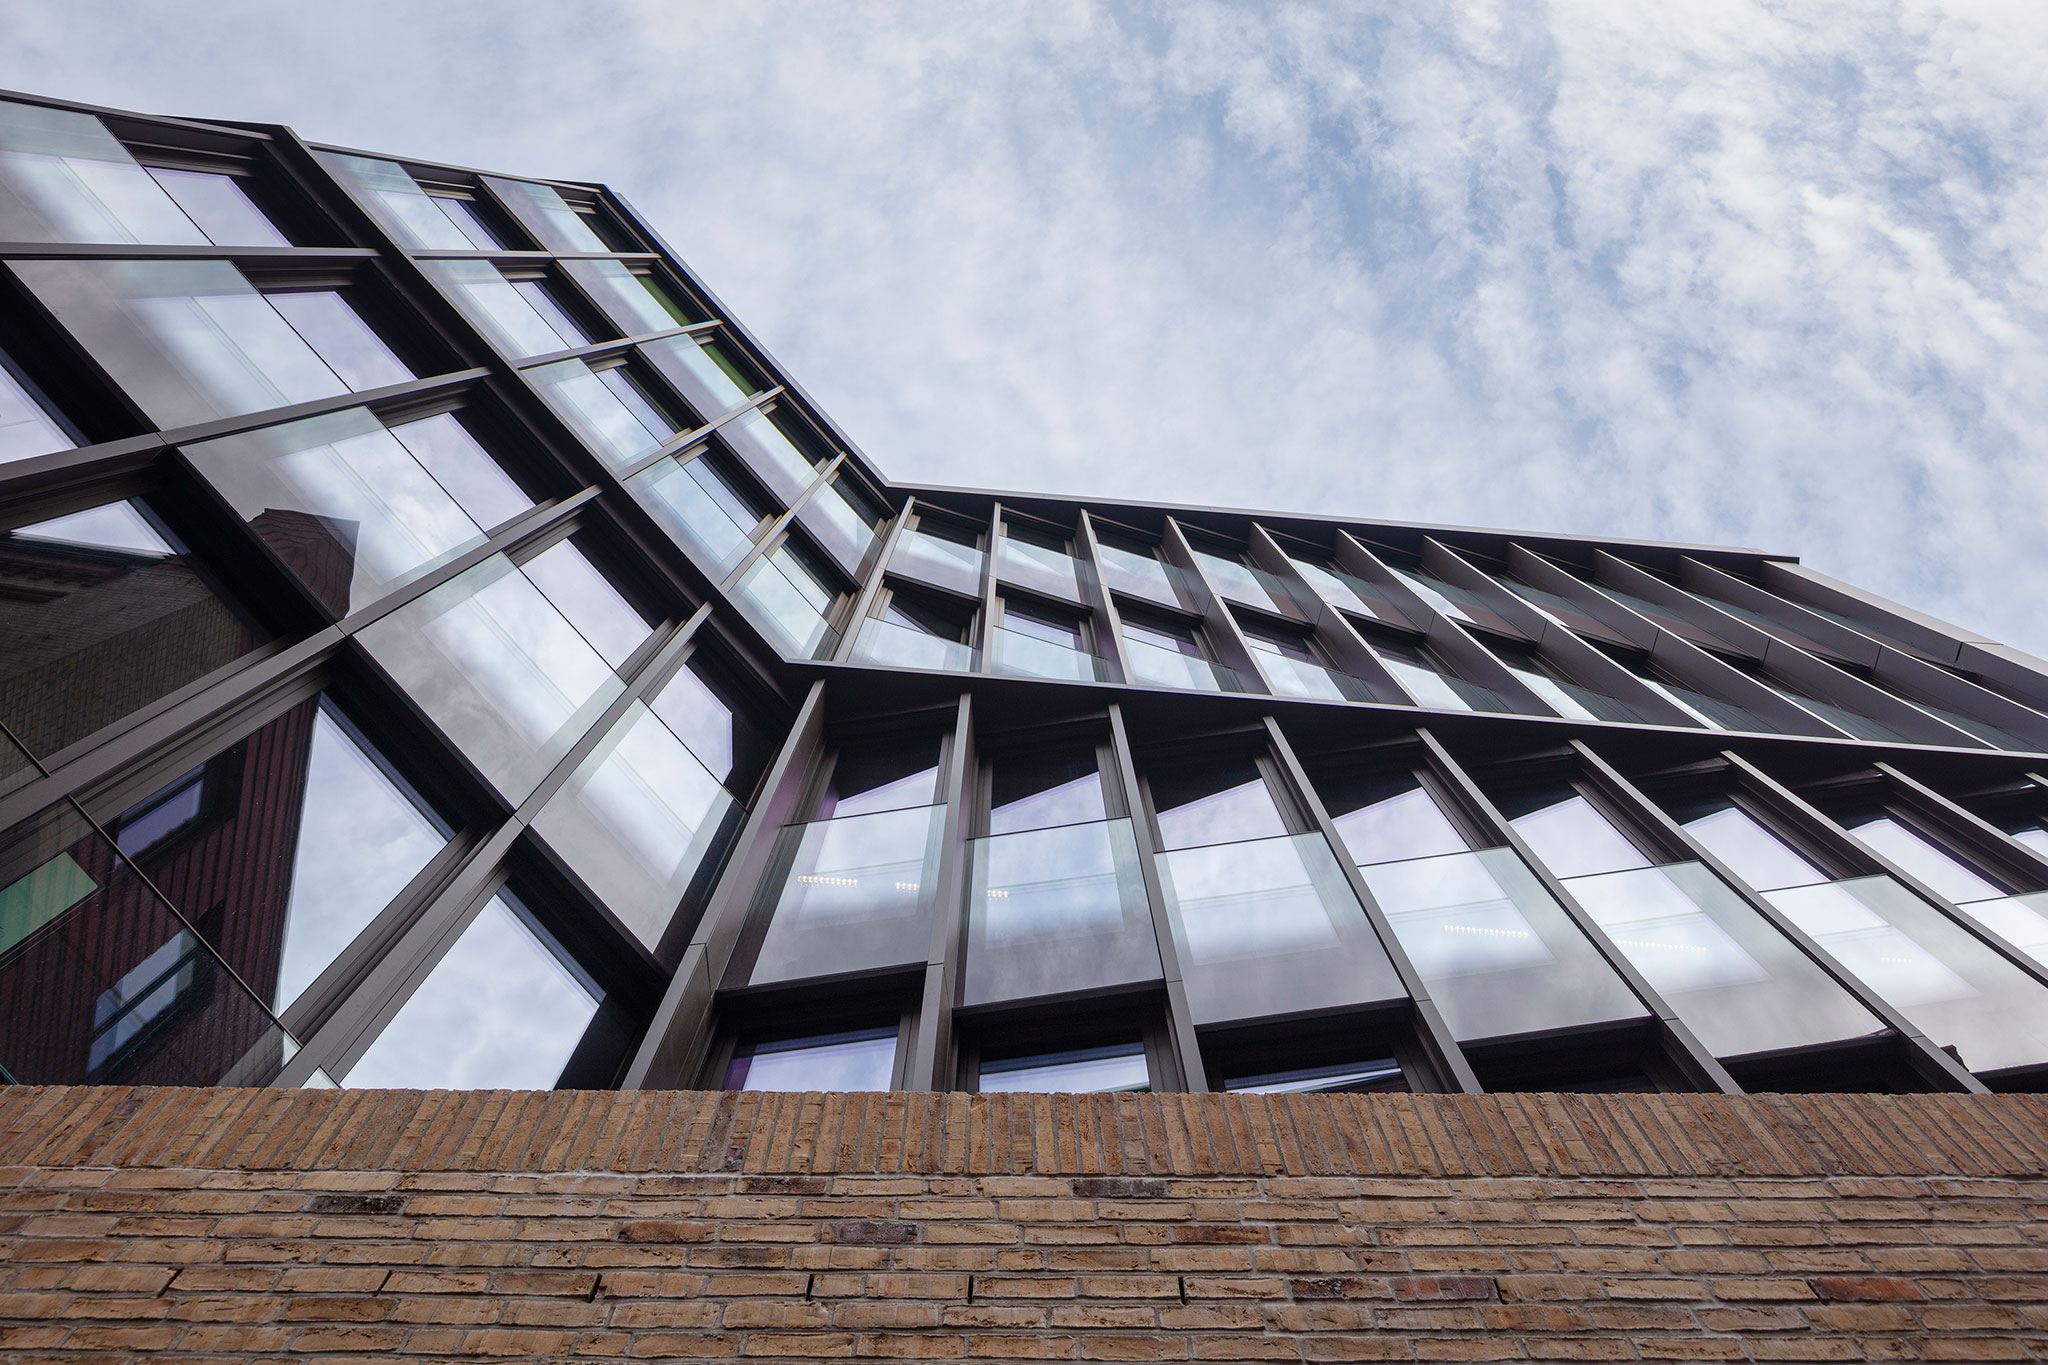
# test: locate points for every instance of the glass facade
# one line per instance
(406, 674)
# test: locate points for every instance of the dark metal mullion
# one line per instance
(1834, 832)
(1215, 611)
(931, 1067)
(1930, 1061)
(1112, 619)
(519, 256)
(1180, 1020)
(605, 348)
(139, 251)
(2034, 860)
(985, 644)
(675, 1034)
(1703, 1067)
(1347, 648)
(778, 530)
(1447, 635)
(1434, 1033)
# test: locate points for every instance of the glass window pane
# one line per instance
(636, 821)
(770, 454)
(855, 1062)
(505, 314)
(1158, 665)
(1032, 656)
(1406, 825)
(1351, 594)
(1952, 985)
(1380, 1076)
(1141, 575)
(708, 381)
(503, 1009)
(931, 559)
(542, 211)
(845, 530)
(1120, 1067)
(1057, 909)
(1042, 795)
(100, 983)
(188, 340)
(696, 505)
(731, 748)
(898, 646)
(396, 199)
(790, 605)
(587, 598)
(342, 501)
(1752, 852)
(467, 221)
(463, 467)
(218, 204)
(624, 299)
(1575, 840)
(1944, 874)
(25, 428)
(1500, 955)
(858, 895)
(499, 669)
(1240, 582)
(1242, 811)
(1034, 566)
(1271, 927)
(536, 294)
(889, 779)
(64, 178)
(102, 616)
(616, 434)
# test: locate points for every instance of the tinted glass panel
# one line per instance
(101, 614)
(1057, 909)
(624, 299)
(700, 509)
(789, 604)
(63, 178)
(499, 669)
(221, 208)
(397, 200)
(507, 315)
(1141, 575)
(1095, 1070)
(1944, 873)
(930, 559)
(542, 211)
(100, 983)
(1381, 1075)
(834, 1062)
(858, 895)
(701, 373)
(770, 454)
(618, 432)
(503, 1009)
(25, 428)
(1034, 566)
(900, 645)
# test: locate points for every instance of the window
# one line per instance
(1116, 1067)
(191, 341)
(513, 664)
(542, 211)
(917, 630)
(1373, 1076)
(942, 553)
(27, 427)
(103, 612)
(788, 597)
(1350, 593)
(1042, 641)
(863, 1059)
(764, 448)
(397, 201)
(1171, 655)
(1294, 668)
(505, 1008)
(64, 178)
(1264, 922)
(1240, 582)
(2019, 919)
(606, 408)
(520, 317)
(702, 507)
(1036, 557)
(626, 299)
(857, 889)
(842, 517)
(702, 373)
(1426, 678)
(354, 508)
(468, 221)
(1134, 569)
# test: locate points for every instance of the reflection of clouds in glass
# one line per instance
(849, 1064)
(360, 841)
(1406, 826)
(500, 1011)
(1752, 852)
(1247, 900)
(588, 600)
(1245, 811)
(699, 719)
(1675, 944)
(1072, 1073)
(1070, 803)
(464, 468)
(1575, 840)
(1945, 875)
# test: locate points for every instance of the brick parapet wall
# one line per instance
(243, 1224)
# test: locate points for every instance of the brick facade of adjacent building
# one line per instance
(242, 1224)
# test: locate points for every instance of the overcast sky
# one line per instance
(1767, 275)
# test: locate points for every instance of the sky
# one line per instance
(1763, 275)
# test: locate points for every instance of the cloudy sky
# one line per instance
(1768, 275)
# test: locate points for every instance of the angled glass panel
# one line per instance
(622, 297)
(189, 341)
(600, 613)
(219, 205)
(1163, 660)
(640, 816)
(26, 428)
(542, 211)
(1141, 575)
(1033, 656)
(505, 315)
(1115, 1068)
(354, 508)
(1575, 840)
(1380, 1075)
(857, 895)
(64, 178)
(864, 1060)
(504, 1008)
(1570, 700)
(340, 337)
(1394, 828)
(700, 509)
(930, 559)
(1953, 986)
(771, 455)
(1293, 675)
(1424, 679)
(2018, 919)
(1351, 593)
(100, 615)
(843, 526)
(700, 371)
(499, 668)
(101, 983)
(617, 431)
(1038, 568)
(790, 605)
(396, 200)
(1240, 582)
(1271, 927)
(900, 645)
(1057, 909)
(468, 222)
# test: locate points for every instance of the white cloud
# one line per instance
(1736, 273)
